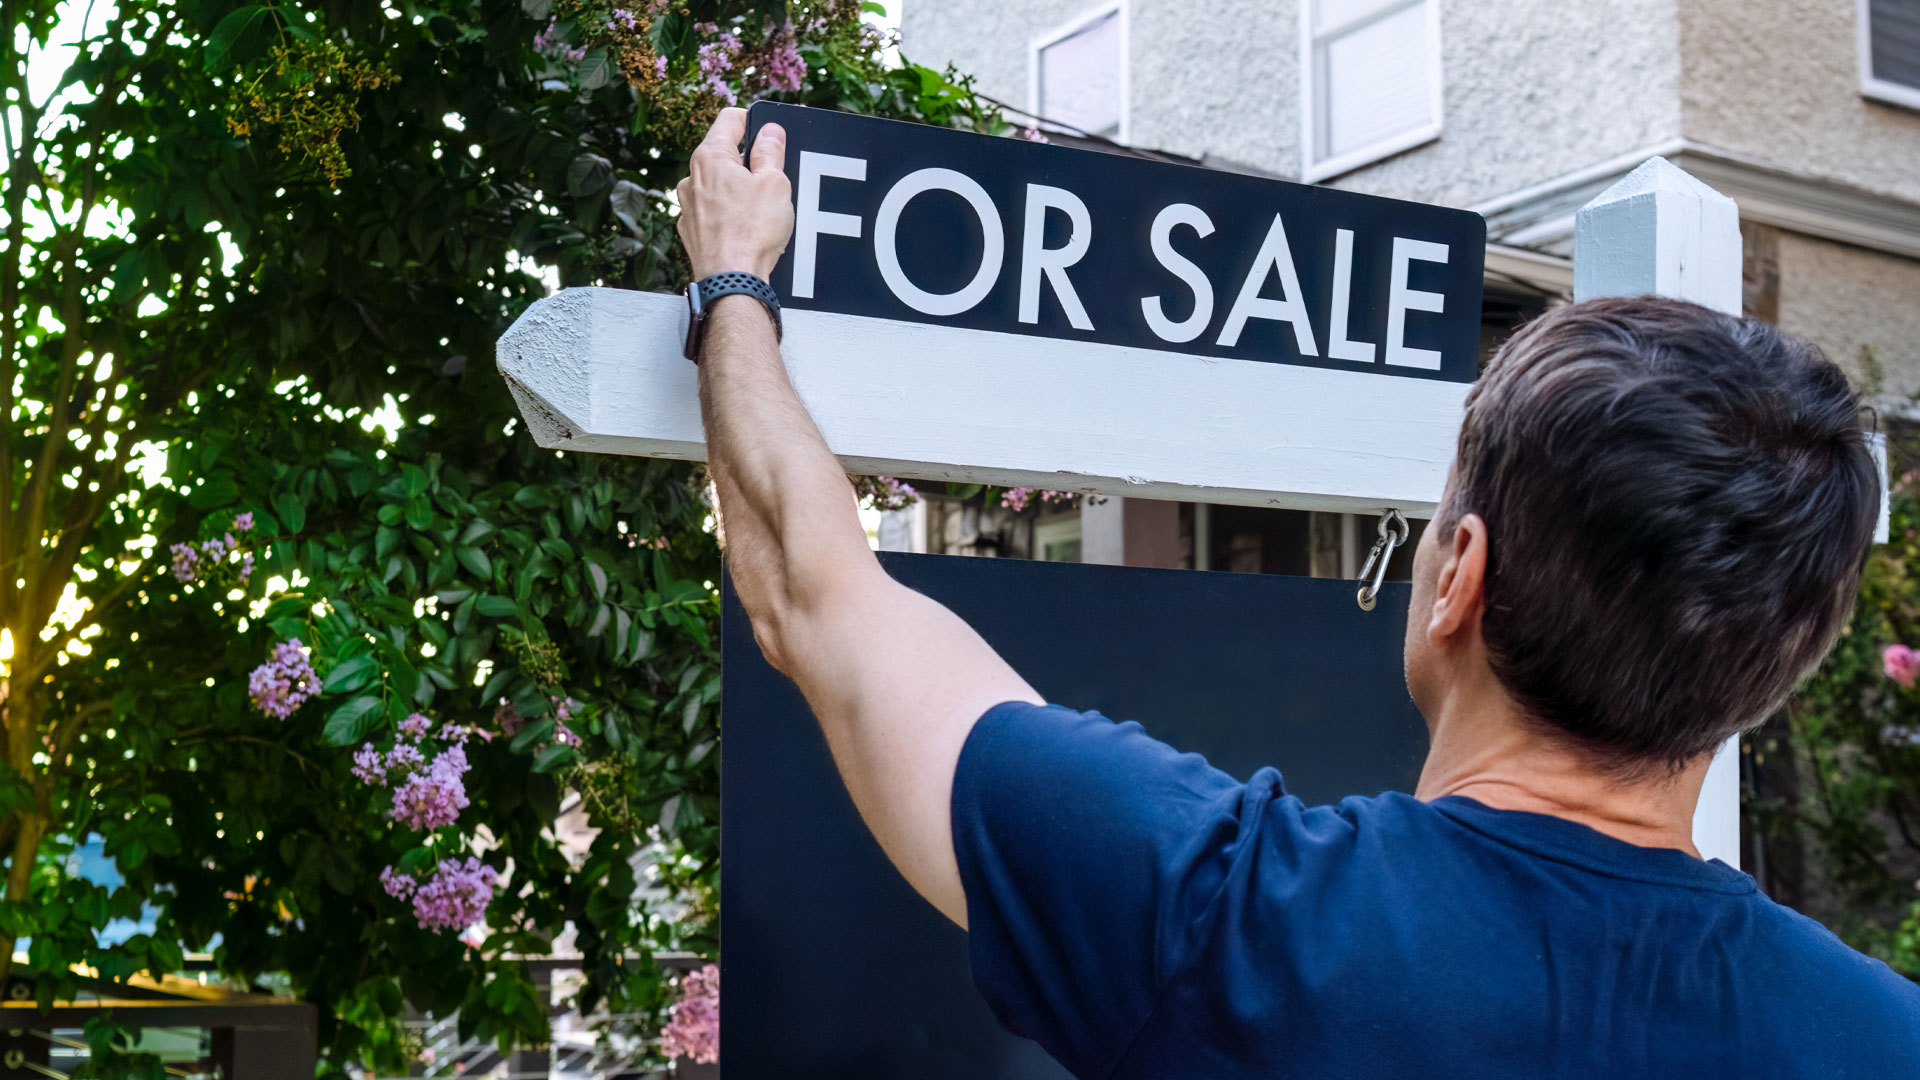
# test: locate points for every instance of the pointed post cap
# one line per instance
(1659, 231)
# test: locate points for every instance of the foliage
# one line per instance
(1856, 728)
(255, 260)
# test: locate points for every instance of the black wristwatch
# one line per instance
(701, 295)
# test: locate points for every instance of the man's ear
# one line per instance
(1459, 589)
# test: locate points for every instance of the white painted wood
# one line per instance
(600, 370)
(1877, 442)
(1103, 532)
(1660, 231)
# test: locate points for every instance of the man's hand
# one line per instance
(732, 217)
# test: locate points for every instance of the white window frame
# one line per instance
(1892, 93)
(1311, 40)
(1067, 30)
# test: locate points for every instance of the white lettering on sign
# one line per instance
(1401, 300)
(1274, 255)
(810, 222)
(1339, 346)
(1181, 267)
(887, 251)
(1037, 261)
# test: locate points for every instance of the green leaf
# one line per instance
(593, 71)
(219, 490)
(351, 674)
(475, 560)
(552, 757)
(351, 722)
(419, 512)
(599, 575)
(237, 28)
(416, 859)
(531, 734)
(293, 512)
(164, 956)
(496, 606)
(589, 175)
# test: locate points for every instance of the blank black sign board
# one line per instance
(834, 969)
(923, 224)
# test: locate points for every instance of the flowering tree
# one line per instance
(295, 618)
(1855, 729)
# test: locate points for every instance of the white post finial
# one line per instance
(1659, 231)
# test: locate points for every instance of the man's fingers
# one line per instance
(770, 149)
(724, 137)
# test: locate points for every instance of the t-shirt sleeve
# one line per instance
(1090, 854)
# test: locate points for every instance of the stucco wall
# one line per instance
(987, 39)
(1852, 303)
(1536, 91)
(1531, 92)
(1779, 80)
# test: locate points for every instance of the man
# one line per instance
(1653, 529)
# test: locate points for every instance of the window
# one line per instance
(1370, 81)
(1078, 73)
(1056, 537)
(1890, 51)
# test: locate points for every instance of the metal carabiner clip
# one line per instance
(1393, 533)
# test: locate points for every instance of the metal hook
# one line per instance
(1393, 533)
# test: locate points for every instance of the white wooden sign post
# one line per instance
(1115, 351)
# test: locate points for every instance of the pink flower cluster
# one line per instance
(453, 897)
(426, 795)
(1901, 664)
(284, 682)
(693, 1022)
(716, 59)
(1017, 499)
(548, 44)
(433, 796)
(1033, 134)
(783, 68)
(191, 560)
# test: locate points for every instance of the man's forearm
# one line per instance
(786, 511)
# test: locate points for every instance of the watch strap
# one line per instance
(704, 292)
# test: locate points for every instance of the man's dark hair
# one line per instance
(1679, 505)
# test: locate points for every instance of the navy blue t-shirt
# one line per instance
(1141, 914)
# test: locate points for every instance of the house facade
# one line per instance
(1805, 112)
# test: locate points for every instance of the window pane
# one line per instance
(1376, 82)
(1080, 78)
(1333, 14)
(1895, 29)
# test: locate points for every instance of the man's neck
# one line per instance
(1486, 752)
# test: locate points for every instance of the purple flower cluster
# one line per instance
(1033, 134)
(623, 20)
(433, 796)
(783, 68)
(548, 44)
(426, 794)
(190, 561)
(693, 1022)
(453, 897)
(284, 682)
(1018, 499)
(563, 712)
(716, 59)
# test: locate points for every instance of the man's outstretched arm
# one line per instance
(895, 679)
